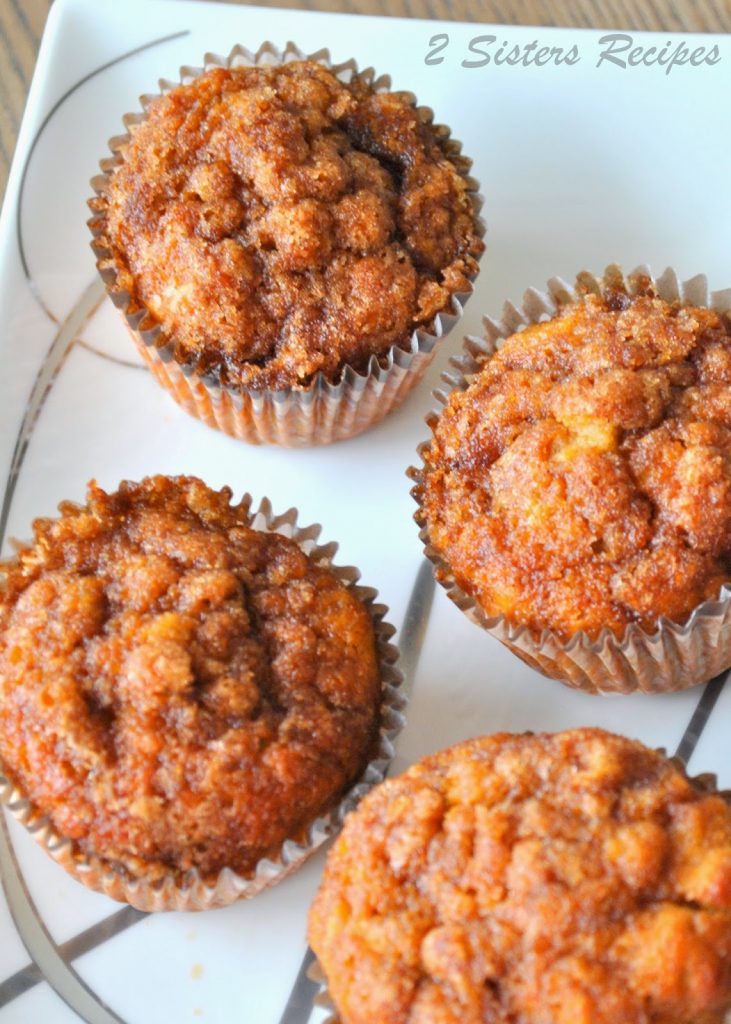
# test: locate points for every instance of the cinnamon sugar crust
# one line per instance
(583, 479)
(177, 689)
(277, 222)
(575, 878)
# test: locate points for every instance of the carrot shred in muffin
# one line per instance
(583, 479)
(177, 689)
(575, 878)
(277, 222)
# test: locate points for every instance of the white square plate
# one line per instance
(580, 166)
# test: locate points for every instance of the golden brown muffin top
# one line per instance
(575, 878)
(583, 478)
(277, 222)
(177, 689)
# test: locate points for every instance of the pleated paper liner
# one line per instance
(672, 656)
(704, 783)
(325, 411)
(189, 890)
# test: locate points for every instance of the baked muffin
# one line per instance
(280, 225)
(575, 878)
(181, 692)
(581, 480)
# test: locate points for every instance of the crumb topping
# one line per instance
(178, 689)
(278, 222)
(583, 478)
(575, 878)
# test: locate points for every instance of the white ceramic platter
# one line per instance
(580, 166)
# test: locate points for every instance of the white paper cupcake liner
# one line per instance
(326, 411)
(190, 891)
(324, 998)
(672, 657)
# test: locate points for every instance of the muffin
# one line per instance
(574, 878)
(185, 692)
(578, 484)
(287, 239)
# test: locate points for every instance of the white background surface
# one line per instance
(579, 167)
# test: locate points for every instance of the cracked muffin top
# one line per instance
(575, 878)
(177, 689)
(278, 222)
(583, 478)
